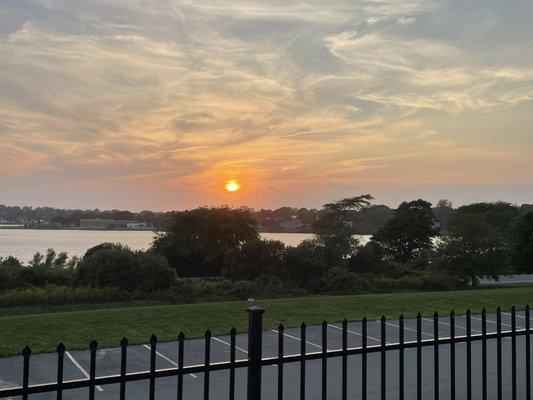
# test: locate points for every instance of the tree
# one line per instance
(333, 230)
(521, 244)
(443, 212)
(477, 241)
(118, 266)
(197, 241)
(253, 259)
(409, 232)
(473, 249)
(500, 216)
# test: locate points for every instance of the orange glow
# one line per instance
(232, 186)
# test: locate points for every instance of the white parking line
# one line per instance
(447, 324)
(517, 316)
(354, 333)
(494, 322)
(297, 338)
(229, 344)
(99, 388)
(166, 359)
(408, 329)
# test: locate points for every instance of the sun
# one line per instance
(232, 186)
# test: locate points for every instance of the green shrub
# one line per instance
(118, 266)
(340, 280)
(60, 295)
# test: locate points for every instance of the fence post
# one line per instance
(255, 339)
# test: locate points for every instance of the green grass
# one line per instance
(77, 328)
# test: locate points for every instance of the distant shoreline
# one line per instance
(49, 228)
(19, 227)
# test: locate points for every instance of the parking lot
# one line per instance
(44, 366)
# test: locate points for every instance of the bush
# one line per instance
(118, 266)
(59, 295)
(41, 271)
(338, 280)
(304, 264)
(426, 281)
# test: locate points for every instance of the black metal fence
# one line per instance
(256, 361)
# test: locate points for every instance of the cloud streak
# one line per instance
(162, 103)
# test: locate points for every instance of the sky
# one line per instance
(137, 104)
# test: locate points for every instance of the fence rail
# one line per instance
(256, 361)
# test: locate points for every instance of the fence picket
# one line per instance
(60, 365)
(281, 331)
(364, 358)
(383, 357)
(401, 356)
(468, 355)
(484, 354)
(26, 353)
(324, 360)
(452, 355)
(528, 354)
(303, 340)
(513, 352)
(207, 361)
(93, 346)
(499, 352)
(436, 355)
(181, 349)
(123, 366)
(232, 334)
(419, 356)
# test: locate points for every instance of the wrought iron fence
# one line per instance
(256, 361)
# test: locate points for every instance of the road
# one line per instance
(43, 366)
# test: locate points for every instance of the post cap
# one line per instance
(255, 310)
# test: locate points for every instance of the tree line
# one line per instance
(218, 250)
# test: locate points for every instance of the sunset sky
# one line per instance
(158, 104)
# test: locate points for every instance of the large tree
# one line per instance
(499, 216)
(522, 244)
(474, 248)
(333, 229)
(409, 232)
(197, 240)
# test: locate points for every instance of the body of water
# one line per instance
(24, 243)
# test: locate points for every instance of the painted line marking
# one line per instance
(236, 347)
(166, 358)
(408, 329)
(99, 388)
(297, 338)
(517, 316)
(495, 323)
(229, 344)
(456, 326)
(354, 333)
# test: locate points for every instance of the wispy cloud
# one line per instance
(173, 98)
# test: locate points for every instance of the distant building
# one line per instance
(292, 225)
(102, 224)
(110, 224)
(137, 225)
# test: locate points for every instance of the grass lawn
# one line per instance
(42, 332)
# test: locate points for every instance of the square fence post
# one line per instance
(255, 345)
